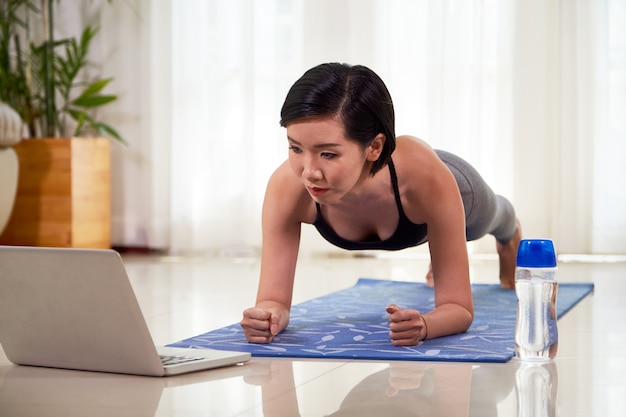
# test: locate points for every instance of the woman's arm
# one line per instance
(281, 220)
(432, 196)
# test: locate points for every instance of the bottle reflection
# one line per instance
(535, 387)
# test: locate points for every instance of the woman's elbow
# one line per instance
(468, 318)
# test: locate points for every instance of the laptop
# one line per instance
(76, 309)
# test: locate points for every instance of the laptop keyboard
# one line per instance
(175, 360)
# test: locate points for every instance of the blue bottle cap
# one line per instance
(536, 253)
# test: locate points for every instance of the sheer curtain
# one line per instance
(531, 92)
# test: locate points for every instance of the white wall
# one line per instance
(531, 92)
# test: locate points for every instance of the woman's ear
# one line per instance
(375, 148)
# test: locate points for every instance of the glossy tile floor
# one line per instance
(182, 297)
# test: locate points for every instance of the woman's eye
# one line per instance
(328, 155)
(294, 149)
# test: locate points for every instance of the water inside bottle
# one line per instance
(536, 334)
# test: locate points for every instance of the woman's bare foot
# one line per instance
(507, 252)
(430, 278)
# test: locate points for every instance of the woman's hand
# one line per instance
(261, 325)
(406, 327)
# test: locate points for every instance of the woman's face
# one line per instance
(329, 164)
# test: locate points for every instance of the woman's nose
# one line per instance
(311, 171)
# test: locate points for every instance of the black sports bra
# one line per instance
(407, 233)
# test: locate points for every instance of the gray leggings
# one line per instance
(485, 212)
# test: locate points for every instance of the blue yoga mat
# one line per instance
(353, 324)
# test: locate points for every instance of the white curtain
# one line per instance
(532, 92)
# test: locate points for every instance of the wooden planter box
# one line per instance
(63, 194)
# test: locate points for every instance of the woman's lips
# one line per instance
(316, 191)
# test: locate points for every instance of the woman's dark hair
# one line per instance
(353, 93)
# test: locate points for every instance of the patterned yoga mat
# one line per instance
(352, 324)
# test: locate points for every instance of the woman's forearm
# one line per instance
(448, 319)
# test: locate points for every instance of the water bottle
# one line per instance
(536, 335)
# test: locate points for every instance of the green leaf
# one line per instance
(95, 87)
(100, 128)
(93, 101)
(79, 116)
(108, 130)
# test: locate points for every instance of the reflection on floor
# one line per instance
(186, 296)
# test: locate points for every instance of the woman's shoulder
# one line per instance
(414, 156)
(286, 190)
(421, 173)
(282, 175)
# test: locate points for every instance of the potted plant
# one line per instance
(63, 193)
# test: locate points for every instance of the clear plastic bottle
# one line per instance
(536, 334)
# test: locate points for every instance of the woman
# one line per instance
(363, 188)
